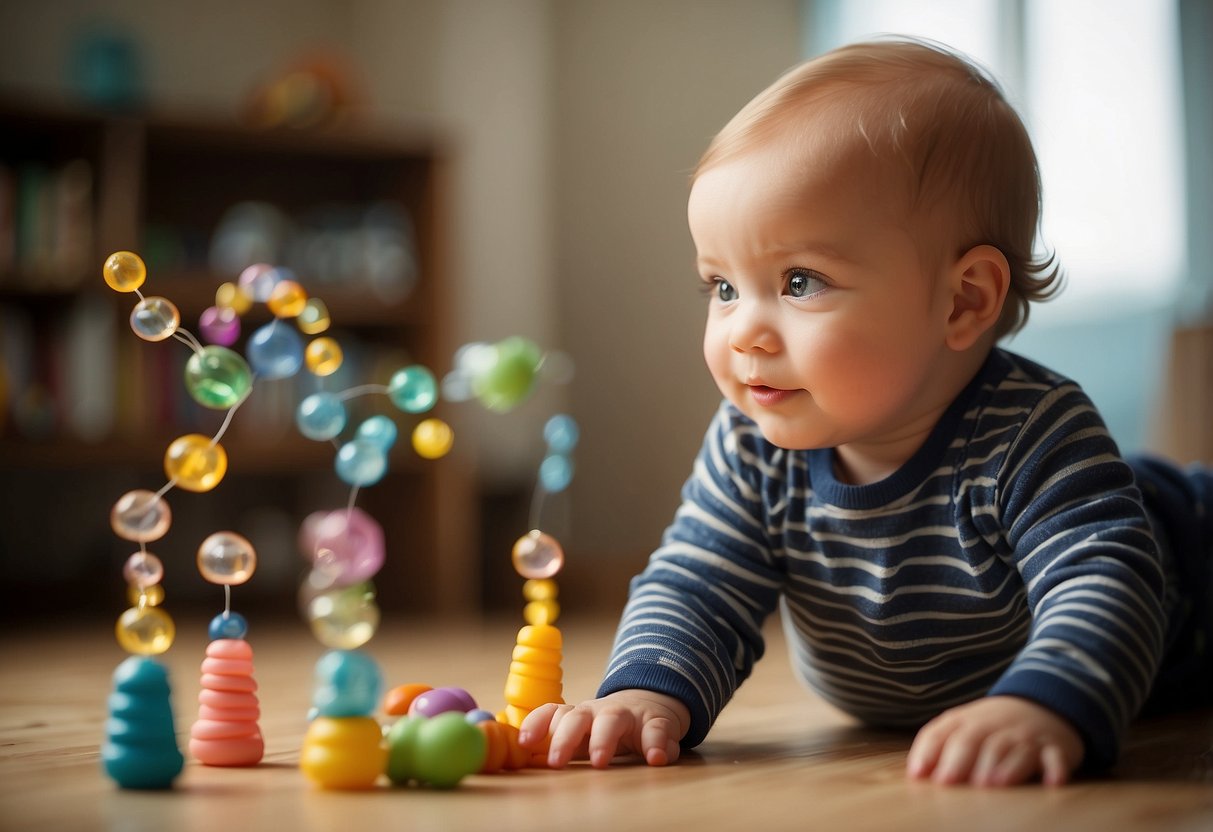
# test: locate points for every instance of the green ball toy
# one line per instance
(436, 751)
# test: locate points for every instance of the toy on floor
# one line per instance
(343, 748)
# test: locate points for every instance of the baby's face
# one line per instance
(824, 324)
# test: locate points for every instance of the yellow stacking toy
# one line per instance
(535, 674)
(343, 753)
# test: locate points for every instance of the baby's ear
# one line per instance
(979, 281)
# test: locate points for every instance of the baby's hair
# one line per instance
(937, 118)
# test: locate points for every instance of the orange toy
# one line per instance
(226, 733)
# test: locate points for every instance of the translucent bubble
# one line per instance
(413, 389)
(344, 618)
(227, 625)
(361, 463)
(219, 325)
(143, 569)
(124, 271)
(561, 433)
(537, 555)
(141, 516)
(540, 589)
(154, 319)
(323, 356)
(347, 546)
(321, 416)
(287, 299)
(257, 281)
(275, 351)
(314, 317)
(555, 473)
(145, 631)
(151, 596)
(509, 378)
(537, 613)
(227, 558)
(229, 296)
(195, 462)
(457, 386)
(378, 429)
(433, 438)
(217, 378)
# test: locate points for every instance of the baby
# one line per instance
(952, 538)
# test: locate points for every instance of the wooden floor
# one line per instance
(777, 759)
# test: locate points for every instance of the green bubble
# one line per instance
(217, 378)
(511, 376)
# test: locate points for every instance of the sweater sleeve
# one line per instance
(692, 627)
(1081, 541)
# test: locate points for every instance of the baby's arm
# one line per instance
(996, 741)
(627, 721)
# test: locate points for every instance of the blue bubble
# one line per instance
(275, 350)
(561, 433)
(227, 625)
(361, 462)
(320, 416)
(413, 389)
(556, 472)
(380, 430)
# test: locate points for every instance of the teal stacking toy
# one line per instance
(140, 749)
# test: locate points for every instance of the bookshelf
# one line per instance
(87, 409)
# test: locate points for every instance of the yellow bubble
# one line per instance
(323, 356)
(195, 462)
(540, 589)
(314, 318)
(124, 271)
(149, 596)
(288, 299)
(146, 631)
(541, 612)
(230, 295)
(433, 438)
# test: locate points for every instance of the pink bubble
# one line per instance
(348, 545)
(219, 325)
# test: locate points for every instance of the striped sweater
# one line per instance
(1010, 555)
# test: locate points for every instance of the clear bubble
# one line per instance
(378, 429)
(227, 558)
(143, 569)
(537, 555)
(141, 516)
(154, 319)
(344, 618)
(258, 280)
(124, 271)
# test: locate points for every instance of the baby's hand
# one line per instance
(629, 721)
(996, 741)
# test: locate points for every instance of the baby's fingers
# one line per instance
(610, 726)
(569, 730)
(534, 729)
(925, 751)
(657, 742)
(1054, 767)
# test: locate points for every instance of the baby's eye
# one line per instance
(802, 283)
(725, 290)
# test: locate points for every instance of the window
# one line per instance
(1098, 84)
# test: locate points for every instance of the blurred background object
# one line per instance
(475, 169)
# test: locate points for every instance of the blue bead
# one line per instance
(479, 715)
(561, 433)
(555, 473)
(380, 430)
(361, 462)
(321, 416)
(275, 350)
(348, 683)
(227, 625)
(413, 389)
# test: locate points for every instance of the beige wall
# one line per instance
(576, 123)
